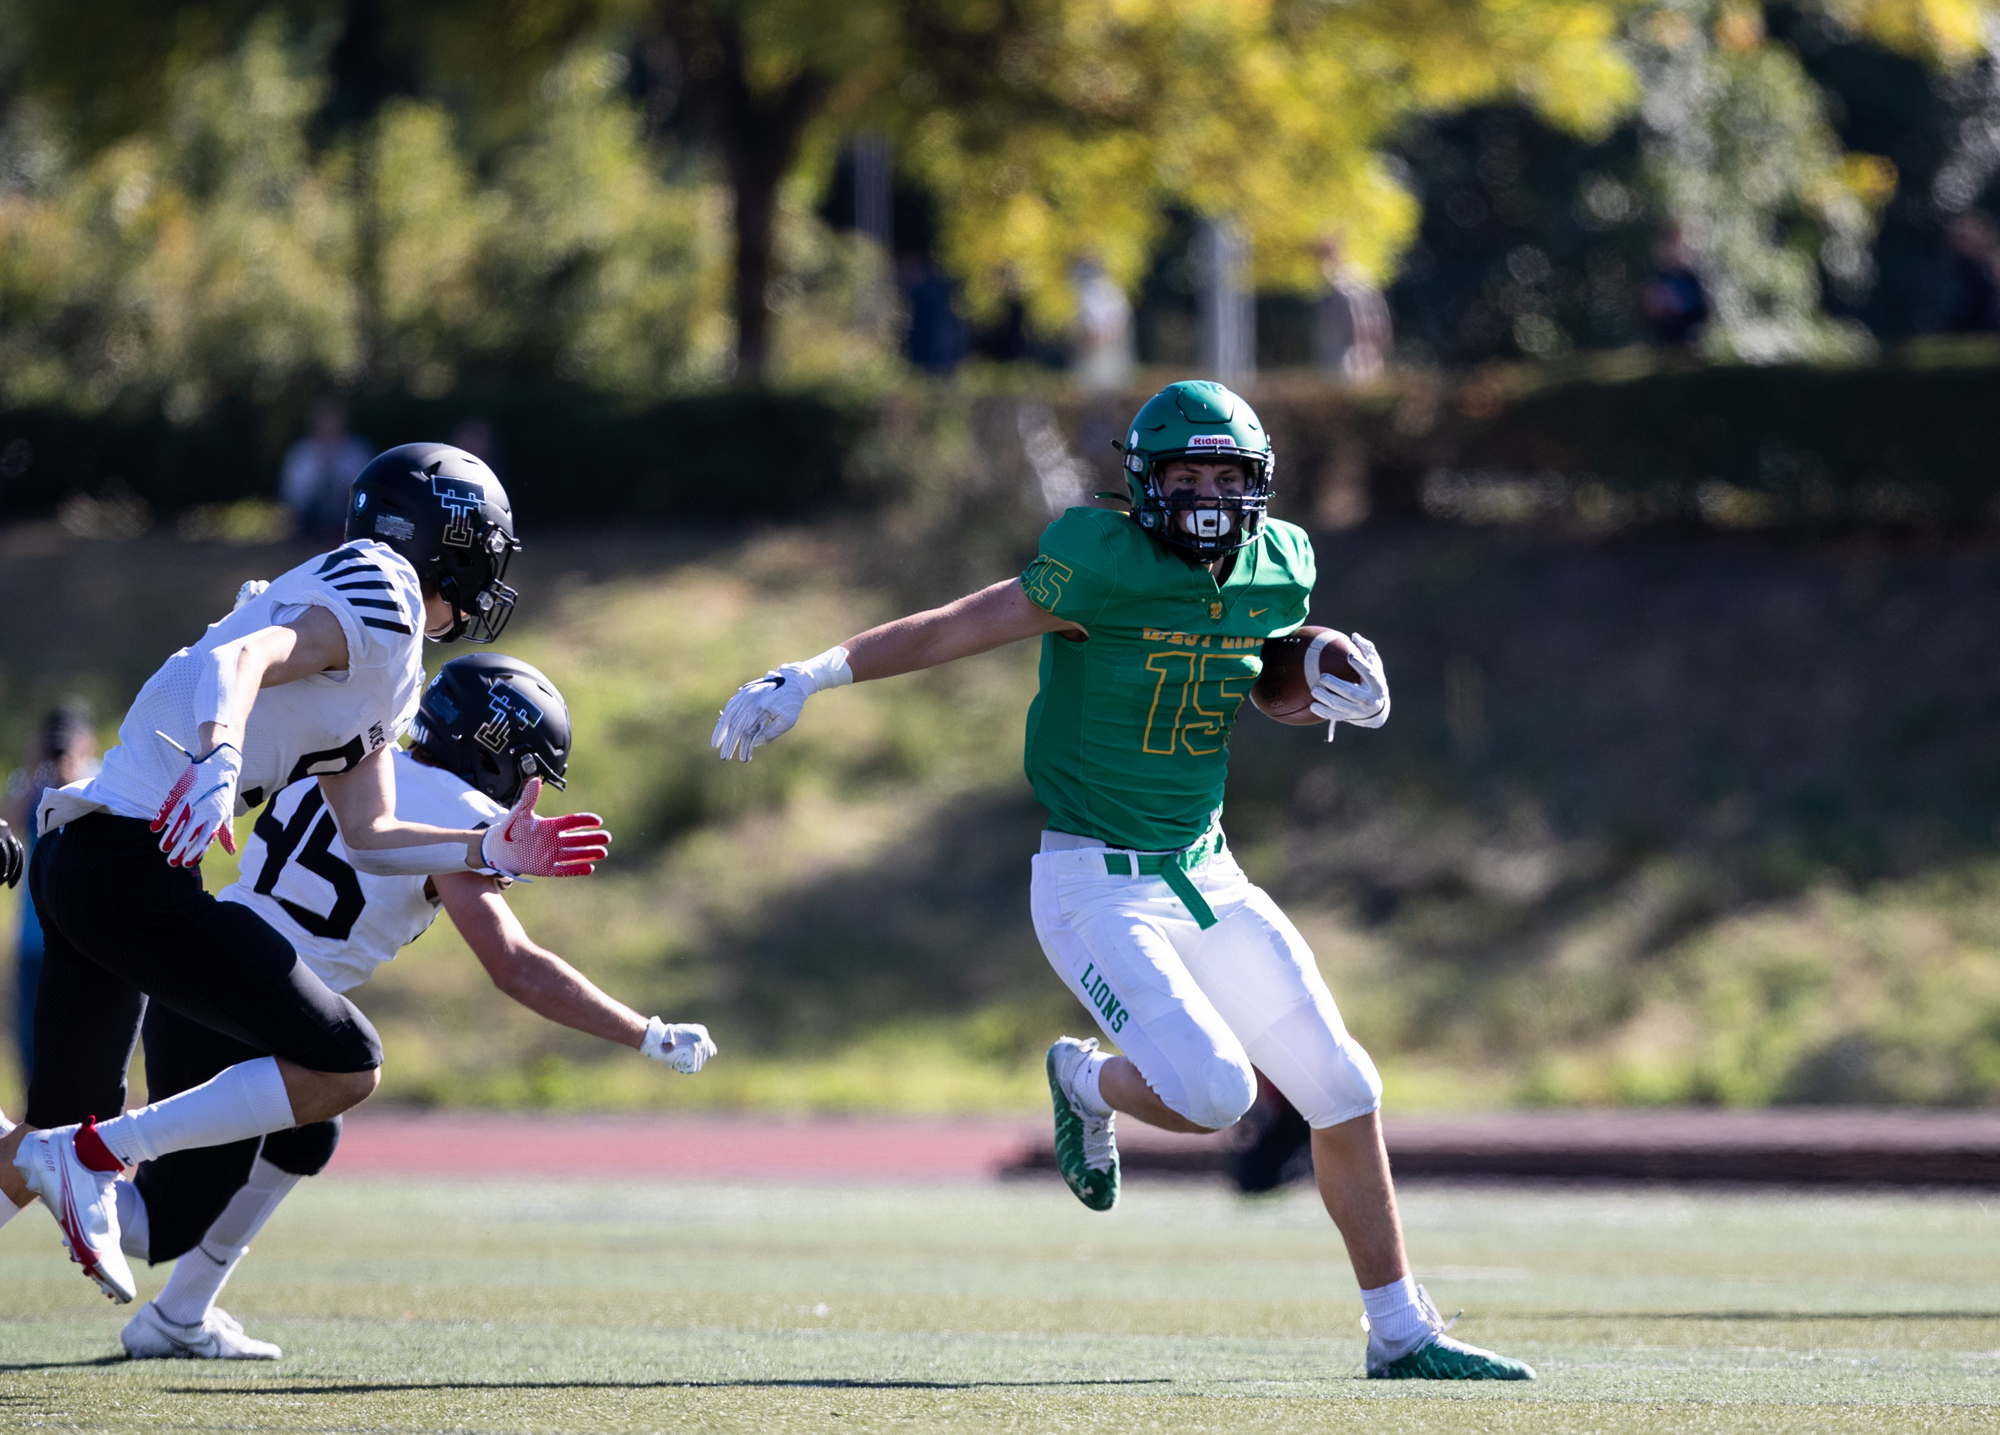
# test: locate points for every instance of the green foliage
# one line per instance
(1781, 447)
(222, 253)
(1107, 114)
(249, 199)
(1742, 157)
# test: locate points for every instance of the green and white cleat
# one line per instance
(1086, 1151)
(1442, 1358)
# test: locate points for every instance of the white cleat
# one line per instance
(151, 1336)
(84, 1204)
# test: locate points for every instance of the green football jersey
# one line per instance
(1128, 739)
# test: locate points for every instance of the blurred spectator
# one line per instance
(1104, 329)
(937, 339)
(1351, 331)
(318, 470)
(1008, 341)
(1974, 243)
(1673, 302)
(63, 751)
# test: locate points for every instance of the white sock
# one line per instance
(1397, 1321)
(199, 1275)
(1087, 1089)
(135, 1234)
(245, 1100)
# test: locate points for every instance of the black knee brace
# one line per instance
(303, 1150)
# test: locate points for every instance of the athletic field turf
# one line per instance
(489, 1306)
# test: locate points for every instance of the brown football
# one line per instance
(1292, 664)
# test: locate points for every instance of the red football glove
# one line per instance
(524, 845)
(201, 808)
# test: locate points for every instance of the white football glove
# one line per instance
(767, 707)
(201, 807)
(684, 1046)
(1365, 704)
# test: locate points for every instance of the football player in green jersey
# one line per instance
(1152, 623)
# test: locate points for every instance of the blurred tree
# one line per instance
(1532, 241)
(1055, 131)
(758, 75)
(219, 251)
(105, 66)
(1051, 132)
(1073, 132)
(1938, 122)
(1740, 156)
(1774, 148)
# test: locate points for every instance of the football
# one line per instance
(1292, 664)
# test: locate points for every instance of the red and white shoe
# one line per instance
(82, 1199)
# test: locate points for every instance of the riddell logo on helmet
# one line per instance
(1211, 440)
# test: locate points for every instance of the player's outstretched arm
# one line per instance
(547, 985)
(766, 707)
(363, 800)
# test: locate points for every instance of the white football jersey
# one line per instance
(325, 723)
(344, 923)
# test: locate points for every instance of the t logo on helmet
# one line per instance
(509, 710)
(460, 502)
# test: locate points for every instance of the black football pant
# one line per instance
(186, 1190)
(120, 926)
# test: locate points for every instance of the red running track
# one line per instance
(1825, 1145)
(694, 1148)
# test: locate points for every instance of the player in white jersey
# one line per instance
(315, 676)
(487, 724)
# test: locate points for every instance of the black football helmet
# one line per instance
(442, 508)
(496, 722)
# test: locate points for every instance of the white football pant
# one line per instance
(1195, 1010)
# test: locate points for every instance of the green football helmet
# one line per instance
(1198, 419)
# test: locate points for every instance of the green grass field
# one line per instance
(531, 1307)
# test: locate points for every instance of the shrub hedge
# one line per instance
(567, 454)
(1609, 442)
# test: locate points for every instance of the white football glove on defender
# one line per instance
(684, 1046)
(1365, 704)
(767, 707)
